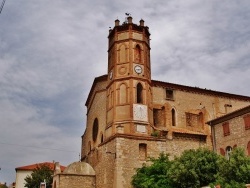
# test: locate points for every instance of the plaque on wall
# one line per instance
(141, 128)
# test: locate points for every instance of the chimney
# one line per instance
(141, 22)
(117, 22)
(130, 20)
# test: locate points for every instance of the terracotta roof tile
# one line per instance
(33, 166)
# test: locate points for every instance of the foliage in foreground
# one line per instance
(235, 172)
(41, 173)
(153, 176)
(3, 186)
(195, 168)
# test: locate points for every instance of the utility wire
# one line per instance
(1, 7)
(38, 147)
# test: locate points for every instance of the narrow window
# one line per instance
(169, 94)
(173, 117)
(142, 151)
(139, 89)
(101, 138)
(247, 121)
(226, 129)
(95, 129)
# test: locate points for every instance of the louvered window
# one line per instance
(226, 129)
(247, 121)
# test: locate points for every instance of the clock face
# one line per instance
(140, 112)
(138, 69)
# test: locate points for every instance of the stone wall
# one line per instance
(119, 158)
(75, 181)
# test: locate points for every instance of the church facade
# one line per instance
(131, 117)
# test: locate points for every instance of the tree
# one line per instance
(235, 172)
(3, 186)
(153, 176)
(194, 168)
(41, 173)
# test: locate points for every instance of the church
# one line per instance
(131, 117)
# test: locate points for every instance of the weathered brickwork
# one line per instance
(75, 181)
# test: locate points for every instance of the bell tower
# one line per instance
(129, 95)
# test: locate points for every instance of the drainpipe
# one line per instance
(213, 137)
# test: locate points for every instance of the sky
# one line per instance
(51, 51)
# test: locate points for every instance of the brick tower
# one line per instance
(128, 92)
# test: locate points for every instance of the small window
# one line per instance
(173, 117)
(95, 129)
(101, 138)
(247, 121)
(142, 151)
(226, 129)
(169, 94)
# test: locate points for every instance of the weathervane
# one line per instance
(126, 18)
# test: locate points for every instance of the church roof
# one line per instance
(34, 166)
(198, 90)
(157, 83)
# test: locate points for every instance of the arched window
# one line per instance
(101, 138)
(173, 117)
(123, 94)
(228, 152)
(95, 129)
(139, 96)
(122, 54)
(137, 53)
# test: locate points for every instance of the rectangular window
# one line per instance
(247, 121)
(142, 151)
(226, 129)
(169, 94)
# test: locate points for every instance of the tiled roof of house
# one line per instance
(229, 116)
(34, 166)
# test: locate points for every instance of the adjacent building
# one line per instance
(230, 131)
(24, 171)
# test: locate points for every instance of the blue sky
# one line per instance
(51, 51)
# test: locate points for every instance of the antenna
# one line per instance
(1, 7)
